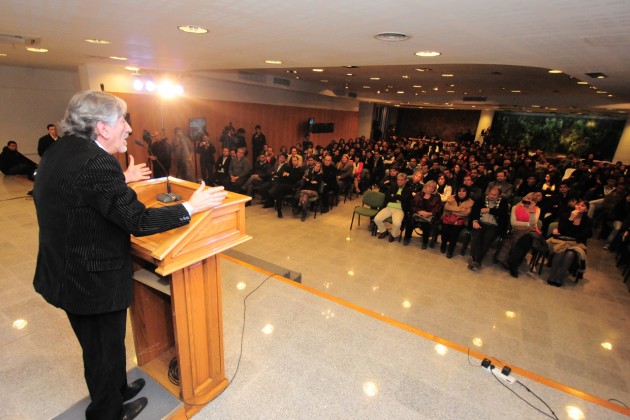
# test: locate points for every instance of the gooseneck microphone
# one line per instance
(167, 197)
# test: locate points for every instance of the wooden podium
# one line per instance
(176, 312)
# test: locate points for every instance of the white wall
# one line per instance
(30, 99)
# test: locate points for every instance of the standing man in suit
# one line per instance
(86, 213)
(46, 141)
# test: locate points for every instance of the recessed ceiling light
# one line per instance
(375, 78)
(392, 36)
(535, 106)
(318, 70)
(601, 91)
(3, 55)
(118, 58)
(596, 75)
(421, 69)
(447, 75)
(192, 29)
(417, 86)
(366, 87)
(428, 53)
(97, 41)
(555, 71)
(515, 91)
(405, 77)
(324, 81)
(37, 50)
(349, 74)
(131, 68)
(582, 83)
(273, 61)
(450, 91)
(400, 91)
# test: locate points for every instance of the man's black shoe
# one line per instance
(132, 409)
(133, 389)
(514, 272)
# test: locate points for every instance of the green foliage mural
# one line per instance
(558, 133)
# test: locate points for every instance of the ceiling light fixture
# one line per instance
(375, 78)
(392, 36)
(190, 29)
(423, 69)
(428, 53)
(596, 75)
(97, 41)
(37, 50)
(118, 58)
(555, 71)
(273, 61)
(318, 70)
(131, 68)
(447, 75)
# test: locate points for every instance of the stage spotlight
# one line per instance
(150, 86)
(138, 83)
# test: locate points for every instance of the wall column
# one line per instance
(623, 148)
(485, 121)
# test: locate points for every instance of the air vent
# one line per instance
(252, 77)
(29, 41)
(475, 98)
(392, 36)
(280, 81)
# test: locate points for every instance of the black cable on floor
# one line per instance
(617, 401)
(553, 414)
(173, 366)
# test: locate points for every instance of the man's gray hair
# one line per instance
(88, 108)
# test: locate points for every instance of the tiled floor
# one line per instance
(556, 333)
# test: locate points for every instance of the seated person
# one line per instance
(443, 188)
(425, 210)
(331, 187)
(239, 171)
(286, 183)
(345, 173)
(396, 204)
(568, 243)
(261, 173)
(389, 180)
(490, 218)
(221, 168)
(620, 216)
(527, 186)
(507, 190)
(455, 219)
(13, 162)
(524, 220)
(311, 183)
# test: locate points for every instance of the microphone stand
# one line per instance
(167, 197)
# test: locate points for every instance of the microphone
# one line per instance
(169, 197)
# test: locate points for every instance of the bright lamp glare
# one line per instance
(150, 86)
(138, 84)
(168, 89)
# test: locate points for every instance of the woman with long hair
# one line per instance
(311, 183)
(455, 219)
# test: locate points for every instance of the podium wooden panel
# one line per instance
(185, 319)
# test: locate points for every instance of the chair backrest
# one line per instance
(374, 199)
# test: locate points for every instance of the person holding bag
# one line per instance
(524, 220)
(568, 243)
(454, 219)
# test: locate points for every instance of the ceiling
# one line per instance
(498, 51)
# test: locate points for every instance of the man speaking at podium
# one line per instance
(86, 213)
